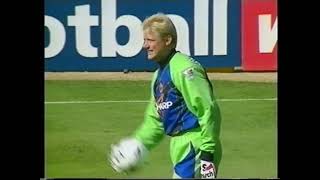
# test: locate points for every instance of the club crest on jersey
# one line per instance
(188, 73)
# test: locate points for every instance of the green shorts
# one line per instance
(185, 153)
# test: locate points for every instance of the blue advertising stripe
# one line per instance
(102, 35)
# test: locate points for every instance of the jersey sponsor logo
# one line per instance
(164, 105)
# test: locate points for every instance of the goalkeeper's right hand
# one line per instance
(127, 155)
(117, 159)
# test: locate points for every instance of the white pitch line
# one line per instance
(250, 99)
(145, 101)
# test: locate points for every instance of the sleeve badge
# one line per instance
(189, 73)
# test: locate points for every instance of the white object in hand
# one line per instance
(128, 154)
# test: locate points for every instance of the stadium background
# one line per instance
(105, 35)
(76, 148)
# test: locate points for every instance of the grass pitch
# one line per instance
(78, 135)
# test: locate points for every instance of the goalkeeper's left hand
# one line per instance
(207, 167)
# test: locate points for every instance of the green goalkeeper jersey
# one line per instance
(182, 99)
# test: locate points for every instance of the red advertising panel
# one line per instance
(259, 31)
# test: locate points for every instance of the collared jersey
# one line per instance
(170, 104)
(181, 100)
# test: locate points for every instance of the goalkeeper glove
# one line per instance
(207, 167)
(127, 155)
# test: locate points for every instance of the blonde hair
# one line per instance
(161, 24)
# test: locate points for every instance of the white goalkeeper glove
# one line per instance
(207, 168)
(127, 155)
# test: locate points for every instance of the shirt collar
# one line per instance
(171, 54)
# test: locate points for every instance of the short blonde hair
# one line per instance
(161, 24)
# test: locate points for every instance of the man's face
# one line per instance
(156, 47)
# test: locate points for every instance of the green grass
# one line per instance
(78, 136)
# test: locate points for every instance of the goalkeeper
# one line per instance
(182, 106)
